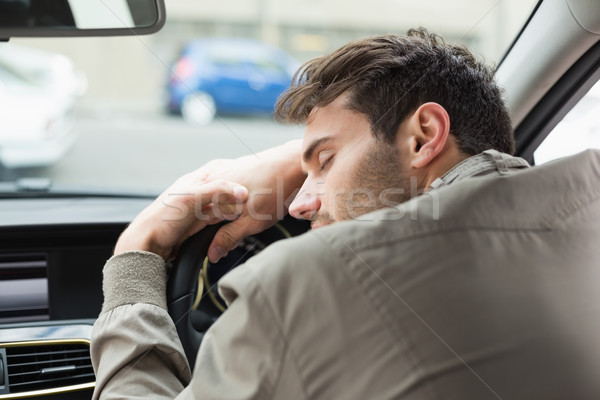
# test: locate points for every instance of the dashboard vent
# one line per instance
(48, 366)
(23, 287)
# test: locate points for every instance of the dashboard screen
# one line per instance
(23, 287)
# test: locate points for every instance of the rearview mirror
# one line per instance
(55, 18)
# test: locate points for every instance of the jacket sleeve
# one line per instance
(136, 352)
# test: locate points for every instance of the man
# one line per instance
(442, 281)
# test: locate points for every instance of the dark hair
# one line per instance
(388, 77)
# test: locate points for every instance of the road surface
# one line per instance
(149, 149)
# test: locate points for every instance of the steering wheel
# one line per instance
(182, 289)
(192, 299)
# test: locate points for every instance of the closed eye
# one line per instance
(322, 167)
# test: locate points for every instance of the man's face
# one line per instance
(349, 172)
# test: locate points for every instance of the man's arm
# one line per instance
(135, 348)
(136, 352)
(208, 195)
(273, 177)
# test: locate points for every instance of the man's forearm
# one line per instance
(134, 340)
(273, 178)
(222, 189)
(290, 155)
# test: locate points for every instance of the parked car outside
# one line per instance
(52, 71)
(228, 76)
(37, 93)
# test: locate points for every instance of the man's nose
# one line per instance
(305, 205)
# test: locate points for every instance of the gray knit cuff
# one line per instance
(134, 277)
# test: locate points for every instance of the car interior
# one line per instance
(55, 239)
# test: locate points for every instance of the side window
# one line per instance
(579, 130)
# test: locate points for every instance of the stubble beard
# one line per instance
(379, 180)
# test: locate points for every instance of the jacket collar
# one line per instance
(484, 163)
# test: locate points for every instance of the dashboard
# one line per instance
(52, 251)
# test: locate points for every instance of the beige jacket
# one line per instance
(488, 288)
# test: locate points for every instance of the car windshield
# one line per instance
(136, 112)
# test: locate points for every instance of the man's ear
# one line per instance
(428, 130)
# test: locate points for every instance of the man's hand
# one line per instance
(253, 190)
(186, 207)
